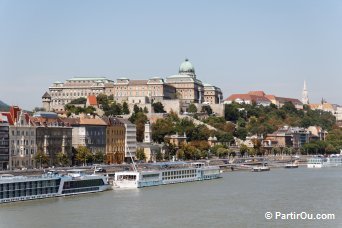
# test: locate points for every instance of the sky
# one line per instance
(236, 45)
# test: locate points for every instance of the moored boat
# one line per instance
(260, 168)
(51, 184)
(291, 166)
(321, 162)
(182, 172)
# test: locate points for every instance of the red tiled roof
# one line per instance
(246, 97)
(86, 121)
(286, 99)
(270, 97)
(257, 93)
(92, 100)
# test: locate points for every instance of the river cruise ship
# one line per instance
(51, 184)
(168, 173)
(321, 162)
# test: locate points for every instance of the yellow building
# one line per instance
(115, 145)
(176, 140)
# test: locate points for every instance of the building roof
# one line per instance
(112, 121)
(286, 99)
(324, 106)
(186, 67)
(91, 121)
(71, 121)
(257, 93)
(46, 95)
(137, 82)
(247, 97)
(91, 100)
(88, 79)
(125, 121)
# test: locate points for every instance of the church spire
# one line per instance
(305, 98)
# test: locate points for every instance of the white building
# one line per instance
(130, 139)
(22, 147)
(63, 93)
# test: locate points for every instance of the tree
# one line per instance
(41, 158)
(192, 108)
(145, 110)
(81, 100)
(135, 108)
(141, 154)
(159, 156)
(62, 159)
(225, 138)
(83, 154)
(170, 150)
(241, 133)
(222, 152)
(99, 157)
(161, 128)
(231, 112)
(158, 107)
(207, 109)
(243, 149)
(125, 109)
(102, 99)
(180, 154)
(139, 119)
(251, 151)
(90, 110)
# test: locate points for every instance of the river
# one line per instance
(239, 199)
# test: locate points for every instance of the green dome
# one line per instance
(186, 67)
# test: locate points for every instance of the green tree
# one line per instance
(83, 154)
(231, 112)
(192, 108)
(136, 108)
(139, 119)
(145, 110)
(251, 152)
(243, 150)
(90, 110)
(81, 100)
(141, 154)
(102, 99)
(62, 159)
(161, 128)
(159, 156)
(99, 157)
(207, 109)
(180, 154)
(125, 109)
(222, 152)
(158, 107)
(241, 133)
(41, 158)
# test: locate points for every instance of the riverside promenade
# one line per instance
(226, 164)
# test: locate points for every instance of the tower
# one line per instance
(147, 133)
(46, 98)
(305, 98)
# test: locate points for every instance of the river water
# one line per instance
(239, 199)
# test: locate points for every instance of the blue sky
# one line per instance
(237, 45)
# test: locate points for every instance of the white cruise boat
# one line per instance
(260, 168)
(321, 162)
(184, 172)
(52, 184)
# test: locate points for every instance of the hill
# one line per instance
(4, 106)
